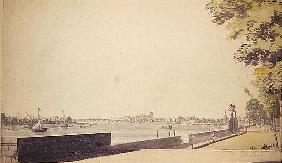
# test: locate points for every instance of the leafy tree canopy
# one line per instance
(255, 111)
(259, 24)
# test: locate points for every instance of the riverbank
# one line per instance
(252, 139)
(237, 143)
(121, 134)
(236, 149)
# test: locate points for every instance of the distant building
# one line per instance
(3, 119)
(3, 115)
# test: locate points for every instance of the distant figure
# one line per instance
(190, 137)
(253, 148)
(264, 146)
(276, 140)
(157, 133)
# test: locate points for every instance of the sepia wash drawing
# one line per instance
(143, 81)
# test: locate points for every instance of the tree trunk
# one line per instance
(280, 102)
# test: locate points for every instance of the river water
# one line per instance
(121, 132)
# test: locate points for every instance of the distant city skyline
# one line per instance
(151, 113)
(139, 118)
(111, 59)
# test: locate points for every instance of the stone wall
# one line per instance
(163, 143)
(207, 136)
(49, 148)
(78, 147)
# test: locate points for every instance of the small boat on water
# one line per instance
(167, 127)
(65, 125)
(38, 127)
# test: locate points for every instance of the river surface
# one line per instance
(121, 132)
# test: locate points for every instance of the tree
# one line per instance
(259, 24)
(255, 112)
(266, 78)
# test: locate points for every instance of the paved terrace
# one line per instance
(189, 155)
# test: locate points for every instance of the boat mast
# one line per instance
(38, 115)
(39, 121)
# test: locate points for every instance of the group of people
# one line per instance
(272, 146)
(266, 147)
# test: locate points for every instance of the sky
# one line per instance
(112, 58)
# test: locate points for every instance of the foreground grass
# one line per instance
(245, 141)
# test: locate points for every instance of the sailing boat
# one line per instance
(64, 124)
(38, 127)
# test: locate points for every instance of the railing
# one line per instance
(8, 152)
(207, 136)
(8, 144)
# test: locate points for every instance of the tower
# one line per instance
(233, 121)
